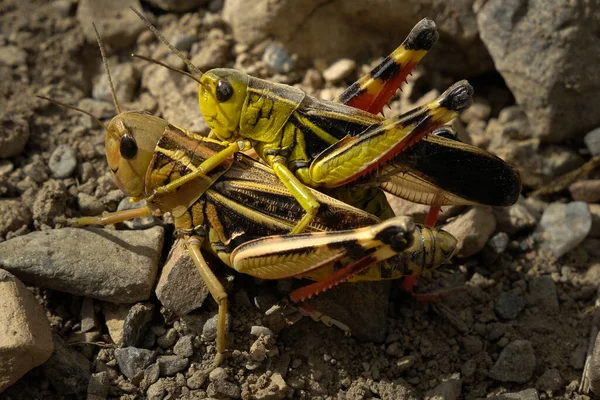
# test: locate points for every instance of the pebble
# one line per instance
(527, 394)
(136, 323)
(221, 389)
(36, 171)
(89, 205)
(550, 381)
(99, 386)
(133, 361)
(196, 380)
(184, 346)
(88, 315)
(180, 288)
(592, 141)
(508, 306)
(171, 365)
(14, 134)
(278, 59)
(125, 80)
(495, 247)
(586, 190)
(564, 226)
(15, 214)
(63, 161)
(217, 374)
(394, 349)
(258, 330)
(50, 203)
(114, 317)
(152, 373)
(339, 70)
(12, 56)
(28, 342)
(84, 262)
(156, 390)
(448, 389)
(516, 363)
(209, 329)
(515, 218)
(136, 223)
(67, 369)
(542, 293)
(472, 229)
(168, 339)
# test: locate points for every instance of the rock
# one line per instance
(168, 339)
(117, 266)
(177, 5)
(261, 330)
(213, 52)
(276, 389)
(136, 323)
(133, 361)
(180, 287)
(156, 390)
(50, 203)
(542, 292)
(89, 205)
(13, 56)
(170, 365)
(36, 170)
(564, 226)
(350, 29)
(25, 335)
(15, 214)
(515, 218)
(472, 229)
(218, 374)
(557, 85)
(515, 364)
(550, 381)
(448, 389)
(184, 347)
(67, 369)
(152, 373)
(594, 211)
(125, 80)
(592, 141)
(508, 306)
(114, 316)
(527, 394)
(63, 161)
(99, 108)
(495, 247)
(594, 367)
(278, 59)
(88, 315)
(117, 25)
(587, 190)
(14, 134)
(223, 389)
(99, 386)
(196, 381)
(339, 70)
(209, 329)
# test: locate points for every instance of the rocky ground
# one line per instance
(126, 320)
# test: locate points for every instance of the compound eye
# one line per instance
(224, 90)
(128, 147)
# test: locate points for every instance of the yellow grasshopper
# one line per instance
(241, 212)
(311, 142)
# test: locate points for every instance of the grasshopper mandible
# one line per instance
(311, 142)
(240, 211)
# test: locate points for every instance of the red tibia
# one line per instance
(432, 216)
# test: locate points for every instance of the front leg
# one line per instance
(112, 218)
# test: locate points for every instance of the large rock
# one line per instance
(546, 50)
(333, 30)
(25, 335)
(117, 266)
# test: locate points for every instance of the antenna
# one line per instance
(74, 108)
(195, 70)
(172, 68)
(112, 88)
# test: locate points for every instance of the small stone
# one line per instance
(125, 80)
(67, 369)
(99, 108)
(472, 229)
(339, 70)
(448, 389)
(214, 51)
(564, 226)
(578, 356)
(515, 218)
(136, 323)
(221, 389)
(394, 349)
(50, 203)
(25, 335)
(586, 190)
(184, 346)
(180, 287)
(209, 330)
(36, 171)
(63, 161)
(550, 381)
(542, 293)
(156, 390)
(472, 344)
(168, 339)
(516, 363)
(405, 363)
(495, 247)
(218, 374)
(114, 316)
(592, 141)
(14, 134)
(196, 380)
(89, 205)
(87, 262)
(257, 330)
(171, 365)
(88, 315)
(13, 56)
(508, 306)
(278, 59)
(99, 385)
(15, 215)
(133, 361)
(152, 373)
(313, 79)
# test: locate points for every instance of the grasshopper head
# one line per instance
(221, 95)
(131, 138)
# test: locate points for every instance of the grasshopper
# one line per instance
(240, 211)
(311, 142)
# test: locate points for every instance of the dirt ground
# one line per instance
(451, 349)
